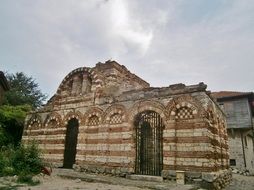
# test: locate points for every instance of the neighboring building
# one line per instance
(106, 119)
(239, 110)
(3, 86)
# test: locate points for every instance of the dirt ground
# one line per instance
(91, 182)
(241, 182)
(55, 182)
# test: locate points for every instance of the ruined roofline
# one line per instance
(174, 89)
(80, 69)
(178, 88)
(198, 87)
(101, 66)
(122, 69)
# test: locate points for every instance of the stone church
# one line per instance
(106, 119)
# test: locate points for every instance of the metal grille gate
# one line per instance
(149, 145)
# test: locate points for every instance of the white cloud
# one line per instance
(164, 42)
(127, 28)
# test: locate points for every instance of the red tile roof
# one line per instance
(224, 94)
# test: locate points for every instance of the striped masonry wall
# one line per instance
(192, 141)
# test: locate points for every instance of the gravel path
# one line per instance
(241, 182)
(69, 179)
(56, 182)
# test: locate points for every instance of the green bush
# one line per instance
(8, 170)
(23, 161)
(5, 160)
(27, 159)
(25, 178)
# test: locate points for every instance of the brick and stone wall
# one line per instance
(241, 149)
(4, 86)
(106, 100)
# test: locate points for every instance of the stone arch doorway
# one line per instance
(149, 143)
(70, 143)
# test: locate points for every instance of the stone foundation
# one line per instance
(207, 180)
(116, 171)
(216, 180)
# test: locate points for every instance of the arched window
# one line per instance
(184, 113)
(52, 123)
(93, 120)
(115, 118)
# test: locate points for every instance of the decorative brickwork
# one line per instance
(53, 117)
(141, 106)
(184, 107)
(35, 122)
(116, 118)
(115, 114)
(93, 116)
(93, 120)
(124, 126)
(78, 115)
(184, 113)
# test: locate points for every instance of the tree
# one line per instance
(23, 96)
(16, 159)
(23, 90)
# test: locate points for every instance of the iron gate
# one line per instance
(149, 145)
(70, 143)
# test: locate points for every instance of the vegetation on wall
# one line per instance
(11, 123)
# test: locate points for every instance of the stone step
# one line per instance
(145, 178)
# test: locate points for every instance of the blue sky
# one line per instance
(163, 42)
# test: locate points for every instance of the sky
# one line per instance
(162, 41)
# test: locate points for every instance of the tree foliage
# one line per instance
(23, 90)
(23, 96)
(11, 123)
